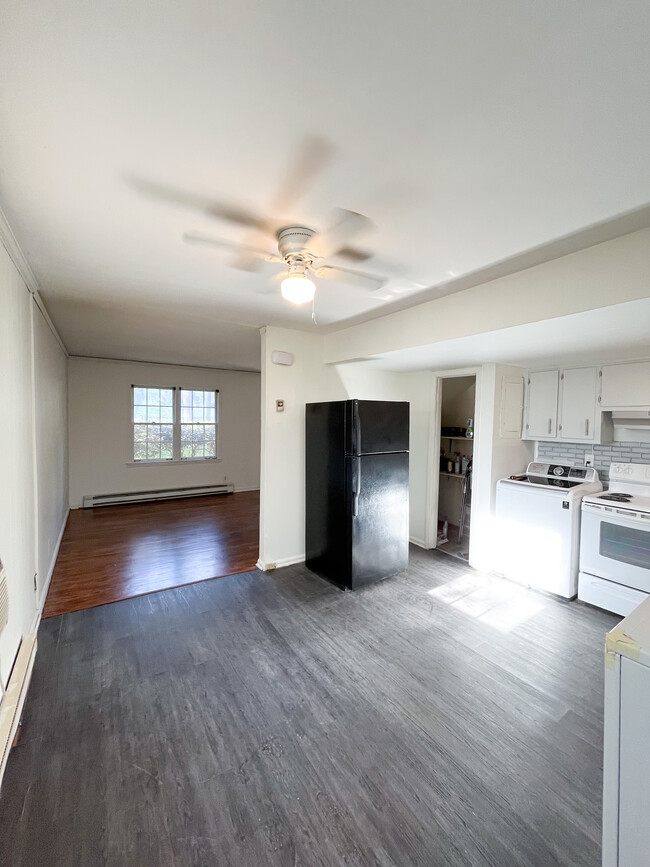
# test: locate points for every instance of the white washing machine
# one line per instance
(538, 525)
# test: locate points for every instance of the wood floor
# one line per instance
(271, 720)
(118, 552)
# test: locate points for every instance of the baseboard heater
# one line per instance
(13, 700)
(92, 500)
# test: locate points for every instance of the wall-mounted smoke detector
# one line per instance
(279, 357)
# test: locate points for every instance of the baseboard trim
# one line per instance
(270, 565)
(55, 554)
(74, 506)
(13, 700)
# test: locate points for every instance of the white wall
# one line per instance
(495, 457)
(100, 444)
(609, 273)
(17, 503)
(282, 481)
(282, 523)
(51, 422)
(32, 453)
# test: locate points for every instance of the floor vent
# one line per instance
(13, 700)
(92, 500)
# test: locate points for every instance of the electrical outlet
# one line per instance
(589, 460)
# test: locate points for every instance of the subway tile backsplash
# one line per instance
(574, 453)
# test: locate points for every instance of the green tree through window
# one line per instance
(174, 424)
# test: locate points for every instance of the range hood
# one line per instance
(631, 425)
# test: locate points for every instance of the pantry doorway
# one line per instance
(454, 464)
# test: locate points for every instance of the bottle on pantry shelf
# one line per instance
(457, 462)
(470, 429)
(463, 464)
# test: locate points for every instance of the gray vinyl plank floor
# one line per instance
(438, 718)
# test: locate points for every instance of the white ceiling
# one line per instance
(616, 333)
(467, 132)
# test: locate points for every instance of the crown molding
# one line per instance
(21, 264)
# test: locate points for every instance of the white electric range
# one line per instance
(615, 541)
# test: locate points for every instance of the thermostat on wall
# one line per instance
(279, 357)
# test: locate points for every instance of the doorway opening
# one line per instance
(455, 469)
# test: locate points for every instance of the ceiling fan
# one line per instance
(301, 250)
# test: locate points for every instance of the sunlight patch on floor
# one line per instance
(491, 600)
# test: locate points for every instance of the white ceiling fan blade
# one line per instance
(272, 284)
(207, 205)
(312, 157)
(212, 241)
(360, 279)
(345, 226)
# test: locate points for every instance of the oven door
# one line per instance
(616, 547)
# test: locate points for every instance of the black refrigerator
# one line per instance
(357, 491)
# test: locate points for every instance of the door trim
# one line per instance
(433, 484)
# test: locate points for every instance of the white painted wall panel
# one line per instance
(99, 395)
(51, 422)
(17, 502)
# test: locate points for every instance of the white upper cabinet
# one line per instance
(541, 413)
(625, 386)
(562, 405)
(512, 407)
(578, 404)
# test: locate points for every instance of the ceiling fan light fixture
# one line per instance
(296, 286)
(297, 289)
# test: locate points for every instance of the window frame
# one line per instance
(181, 423)
(177, 457)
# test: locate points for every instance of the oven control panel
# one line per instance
(639, 473)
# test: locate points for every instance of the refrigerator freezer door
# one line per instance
(377, 426)
(379, 512)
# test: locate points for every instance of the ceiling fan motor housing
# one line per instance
(293, 240)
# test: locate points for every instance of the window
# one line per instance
(174, 424)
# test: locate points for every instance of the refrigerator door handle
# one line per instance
(357, 488)
(357, 427)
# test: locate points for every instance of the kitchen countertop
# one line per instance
(631, 637)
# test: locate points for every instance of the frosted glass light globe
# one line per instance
(297, 288)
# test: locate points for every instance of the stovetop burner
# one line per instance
(615, 497)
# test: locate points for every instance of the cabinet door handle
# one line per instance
(549, 425)
(586, 427)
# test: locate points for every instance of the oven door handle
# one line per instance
(617, 518)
